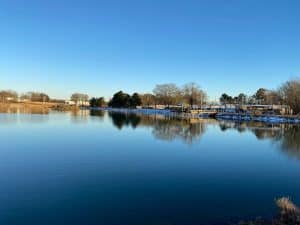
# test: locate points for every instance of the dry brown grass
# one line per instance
(289, 214)
(286, 204)
(34, 107)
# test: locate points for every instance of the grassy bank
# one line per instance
(288, 214)
(35, 107)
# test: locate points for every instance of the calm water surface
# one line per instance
(116, 169)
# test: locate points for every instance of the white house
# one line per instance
(78, 103)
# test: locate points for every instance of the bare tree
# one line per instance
(39, 97)
(79, 98)
(193, 95)
(167, 94)
(35, 97)
(272, 97)
(8, 95)
(148, 99)
(290, 93)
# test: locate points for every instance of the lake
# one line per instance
(104, 168)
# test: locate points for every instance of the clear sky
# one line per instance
(99, 47)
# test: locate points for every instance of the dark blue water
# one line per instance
(116, 169)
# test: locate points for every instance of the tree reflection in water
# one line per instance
(97, 115)
(79, 116)
(290, 140)
(122, 119)
(286, 136)
(170, 129)
(163, 128)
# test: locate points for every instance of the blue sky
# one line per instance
(100, 47)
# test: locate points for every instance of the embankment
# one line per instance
(34, 107)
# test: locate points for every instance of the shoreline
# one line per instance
(35, 107)
(221, 115)
(246, 117)
(262, 118)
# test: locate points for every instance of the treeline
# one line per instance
(287, 94)
(169, 94)
(32, 96)
(163, 94)
(188, 96)
(81, 99)
(192, 96)
(13, 96)
(121, 99)
(261, 96)
(97, 102)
